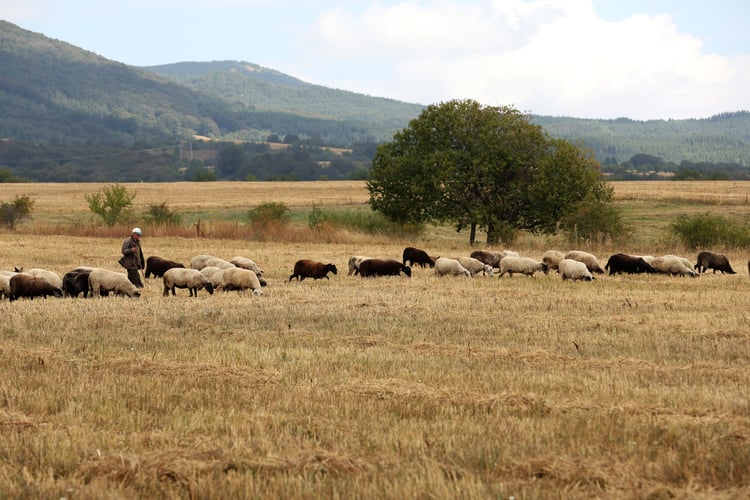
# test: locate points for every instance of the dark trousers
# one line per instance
(135, 278)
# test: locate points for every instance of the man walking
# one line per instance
(132, 256)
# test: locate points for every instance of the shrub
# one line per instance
(161, 215)
(112, 204)
(594, 221)
(270, 212)
(706, 230)
(18, 210)
(363, 221)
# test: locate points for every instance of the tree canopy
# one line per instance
(482, 167)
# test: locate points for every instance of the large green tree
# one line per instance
(482, 167)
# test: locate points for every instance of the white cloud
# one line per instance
(544, 56)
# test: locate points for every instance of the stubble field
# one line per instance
(626, 387)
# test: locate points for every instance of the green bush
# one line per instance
(18, 210)
(362, 221)
(269, 212)
(112, 204)
(706, 230)
(594, 221)
(161, 215)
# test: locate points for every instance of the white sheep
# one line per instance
(192, 279)
(521, 265)
(673, 265)
(552, 258)
(246, 263)
(354, 262)
(445, 266)
(592, 263)
(5, 277)
(476, 266)
(574, 270)
(236, 278)
(50, 277)
(200, 261)
(103, 281)
(215, 275)
(685, 261)
(648, 258)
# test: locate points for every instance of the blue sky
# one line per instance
(583, 58)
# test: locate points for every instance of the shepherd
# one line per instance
(132, 256)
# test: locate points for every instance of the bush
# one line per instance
(18, 210)
(161, 215)
(359, 220)
(594, 221)
(269, 212)
(706, 230)
(112, 204)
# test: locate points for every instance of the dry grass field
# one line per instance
(625, 387)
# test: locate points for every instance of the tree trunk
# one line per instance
(491, 234)
(473, 233)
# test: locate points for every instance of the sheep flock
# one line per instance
(245, 276)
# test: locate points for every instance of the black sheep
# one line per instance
(306, 268)
(712, 260)
(75, 282)
(383, 267)
(413, 256)
(631, 264)
(24, 285)
(158, 266)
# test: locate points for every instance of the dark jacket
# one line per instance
(132, 259)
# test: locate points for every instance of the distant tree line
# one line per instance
(648, 167)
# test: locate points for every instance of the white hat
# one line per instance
(137, 230)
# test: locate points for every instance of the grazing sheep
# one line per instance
(200, 261)
(631, 264)
(23, 285)
(521, 265)
(673, 265)
(713, 260)
(493, 258)
(574, 270)
(552, 258)
(354, 262)
(648, 258)
(103, 281)
(75, 282)
(239, 279)
(450, 267)
(5, 277)
(383, 267)
(476, 266)
(215, 275)
(413, 256)
(685, 261)
(246, 263)
(192, 279)
(158, 266)
(52, 277)
(592, 263)
(306, 268)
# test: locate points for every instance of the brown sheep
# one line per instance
(158, 266)
(306, 268)
(413, 256)
(713, 260)
(383, 267)
(26, 285)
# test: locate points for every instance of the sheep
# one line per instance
(5, 277)
(246, 263)
(215, 275)
(685, 261)
(23, 285)
(476, 266)
(592, 263)
(574, 270)
(103, 281)
(631, 264)
(354, 262)
(383, 267)
(192, 279)
(306, 268)
(200, 261)
(412, 256)
(521, 265)
(239, 279)
(552, 258)
(713, 260)
(493, 258)
(75, 282)
(673, 265)
(445, 266)
(52, 277)
(158, 266)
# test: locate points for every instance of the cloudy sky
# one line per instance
(641, 59)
